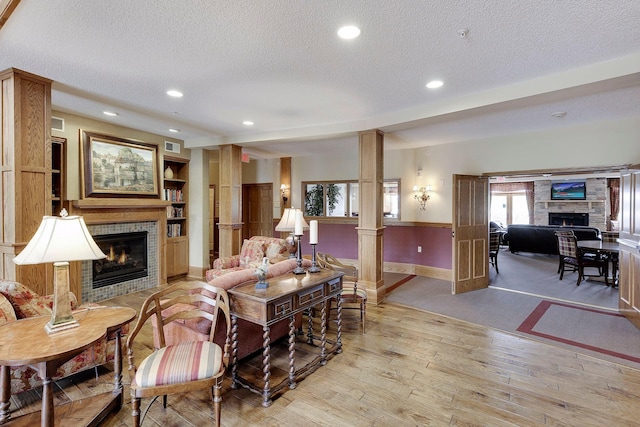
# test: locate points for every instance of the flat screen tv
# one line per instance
(569, 190)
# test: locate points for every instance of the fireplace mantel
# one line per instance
(116, 203)
(590, 202)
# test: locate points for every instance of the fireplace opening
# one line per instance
(126, 258)
(568, 219)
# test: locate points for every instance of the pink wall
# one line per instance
(400, 243)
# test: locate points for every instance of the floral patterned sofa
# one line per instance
(18, 302)
(250, 256)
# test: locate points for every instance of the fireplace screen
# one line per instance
(126, 258)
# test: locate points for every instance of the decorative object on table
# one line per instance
(421, 194)
(287, 223)
(261, 274)
(297, 232)
(60, 240)
(313, 241)
(168, 173)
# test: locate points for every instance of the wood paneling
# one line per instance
(370, 229)
(26, 171)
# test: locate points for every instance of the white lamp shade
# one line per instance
(60, 239)
(288, 221)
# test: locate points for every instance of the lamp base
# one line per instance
(52, 328)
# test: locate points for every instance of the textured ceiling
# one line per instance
(280, 64)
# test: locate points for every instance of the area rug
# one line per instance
(595, 330)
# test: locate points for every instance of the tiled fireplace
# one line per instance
(91, 292)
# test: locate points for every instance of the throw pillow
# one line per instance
(24, 301)
(252, 252)
(274, 250)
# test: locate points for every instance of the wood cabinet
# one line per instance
(176, 190)
(629, 281)
(177, 256)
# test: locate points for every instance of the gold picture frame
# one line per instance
(118, 167)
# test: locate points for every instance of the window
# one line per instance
(509, 203)
(340, 199)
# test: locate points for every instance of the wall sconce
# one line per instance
(283, 191)
(421, 194)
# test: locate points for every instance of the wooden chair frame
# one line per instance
(350, 295)
(572, 258)
(184, 302)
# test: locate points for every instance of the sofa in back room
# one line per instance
(541, 238)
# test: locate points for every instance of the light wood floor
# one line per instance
(410, 369)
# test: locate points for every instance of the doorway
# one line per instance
(257, 210)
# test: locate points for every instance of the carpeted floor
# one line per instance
(582, 318)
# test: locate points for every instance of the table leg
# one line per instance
(46, 419)
(5, 394)
(323, 336)
(117, 364)
(339, 322)
(234, 352)
(310, 326)
(266, 366)
(292, 352)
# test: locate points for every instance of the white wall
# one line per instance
(600, 144)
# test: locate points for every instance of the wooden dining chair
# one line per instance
(185, 366)
(494, 249)
(352, 296)
(612, 236)
(571, 258)
(562, 233)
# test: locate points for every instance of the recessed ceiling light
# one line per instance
(349, 32)
(434, 84)
(174, 93)
(174, 130)
(247, 123)
(110, 113)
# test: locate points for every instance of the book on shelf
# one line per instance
(173, 195)
(174, 230)
(175, 212)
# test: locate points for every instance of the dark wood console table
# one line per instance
(25, 342)
(286, 296)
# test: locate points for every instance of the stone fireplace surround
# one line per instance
(596, 204)
(120, 215)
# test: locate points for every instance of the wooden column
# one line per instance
(370, 228)
(230, 225)
(25, 180)
(285, 178)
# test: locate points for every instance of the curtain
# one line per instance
(614, 198)
(512, 187)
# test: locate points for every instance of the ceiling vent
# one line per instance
(172, 147)
(57, 123)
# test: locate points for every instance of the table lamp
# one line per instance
(288, 223)
(60, 240)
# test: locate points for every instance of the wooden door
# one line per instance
(257, 210)
(470, 233)
(629, 278)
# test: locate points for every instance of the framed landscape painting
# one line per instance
(118, 167)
